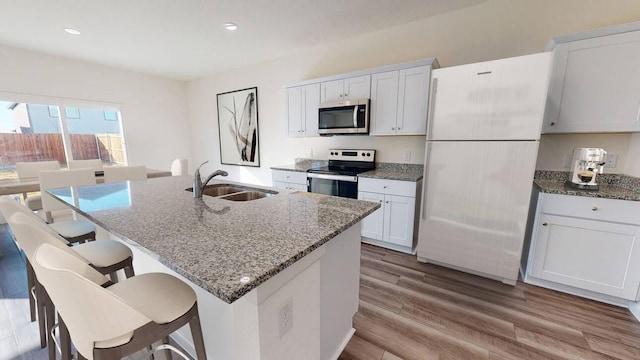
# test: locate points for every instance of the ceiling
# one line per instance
(185, 39)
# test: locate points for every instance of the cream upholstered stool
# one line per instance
(31, 171)
(71, 229)
(106, 256)
(93, 164)
(124, 173)
(113, 322)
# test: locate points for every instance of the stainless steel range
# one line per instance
(340, 177)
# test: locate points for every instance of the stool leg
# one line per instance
(51, 320)
(114, 277)
(41, 303)
(128, 269)
(65, 340)
(196, 333)
(30, 285)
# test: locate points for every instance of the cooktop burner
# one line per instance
(349, 162)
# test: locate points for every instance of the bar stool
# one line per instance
(106, 256)
(113, 322)
(72, 230)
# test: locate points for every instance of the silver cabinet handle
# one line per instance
(381, 201)
(595, 208)
(544, 224)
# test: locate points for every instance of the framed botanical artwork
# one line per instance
(238, 127)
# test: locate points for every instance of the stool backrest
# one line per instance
(93, 164)
(94, 316)
(28, 170)
(9, 207)
(62, 178)
(124, 173)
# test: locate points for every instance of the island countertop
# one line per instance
(226, 247)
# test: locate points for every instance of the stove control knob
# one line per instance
(368, 154)
(332, 153)
(362, 154)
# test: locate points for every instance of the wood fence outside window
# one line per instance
(41, 147)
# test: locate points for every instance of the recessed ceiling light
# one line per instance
(231, 26)
(72, 31)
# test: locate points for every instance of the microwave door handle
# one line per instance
(355, 117)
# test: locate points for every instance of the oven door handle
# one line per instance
(333, 177)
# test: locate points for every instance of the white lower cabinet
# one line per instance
(289, 180)
(587, 246)
(394, 224)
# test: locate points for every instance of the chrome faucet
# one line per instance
(198, 184)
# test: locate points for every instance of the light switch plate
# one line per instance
(406, 156)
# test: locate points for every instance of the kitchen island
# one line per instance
(276, 277)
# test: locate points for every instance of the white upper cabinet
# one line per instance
(595, 85)
(399, 97)
(494, 100)
(399, 102)
(302, 110)
(358, 87)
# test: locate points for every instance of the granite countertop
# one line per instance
(214, 242)
(611, 186)
(389, 171)
(393, 171)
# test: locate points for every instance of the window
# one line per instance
(72, 112)
(53, 111)
(111, 115)
(34, 132)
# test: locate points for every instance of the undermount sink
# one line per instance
(246, 196)
(220, 190)
(234, 192)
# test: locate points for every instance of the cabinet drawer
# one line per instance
(391, 187)
(619, 211)
(297, 177)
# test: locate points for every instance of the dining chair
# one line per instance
(124, 173)
(124, 318)
(105, 256)
(94, 164)
(179, 167)
(72, 230)
(31, 171)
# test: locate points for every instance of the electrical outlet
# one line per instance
(285, 316)
(612, 160)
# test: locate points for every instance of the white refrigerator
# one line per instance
(482, 144)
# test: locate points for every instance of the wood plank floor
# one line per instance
(410, 310)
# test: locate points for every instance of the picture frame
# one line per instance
(238, 127)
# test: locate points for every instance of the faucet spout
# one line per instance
(198, 184)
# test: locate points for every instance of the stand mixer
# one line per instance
(586, 164)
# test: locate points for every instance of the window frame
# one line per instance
(57, 103)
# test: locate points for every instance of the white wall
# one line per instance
(154, 110)
(555, 148)
(492, 30)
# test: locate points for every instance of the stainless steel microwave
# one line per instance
(347, 117)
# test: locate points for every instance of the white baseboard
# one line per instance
(343, 345)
